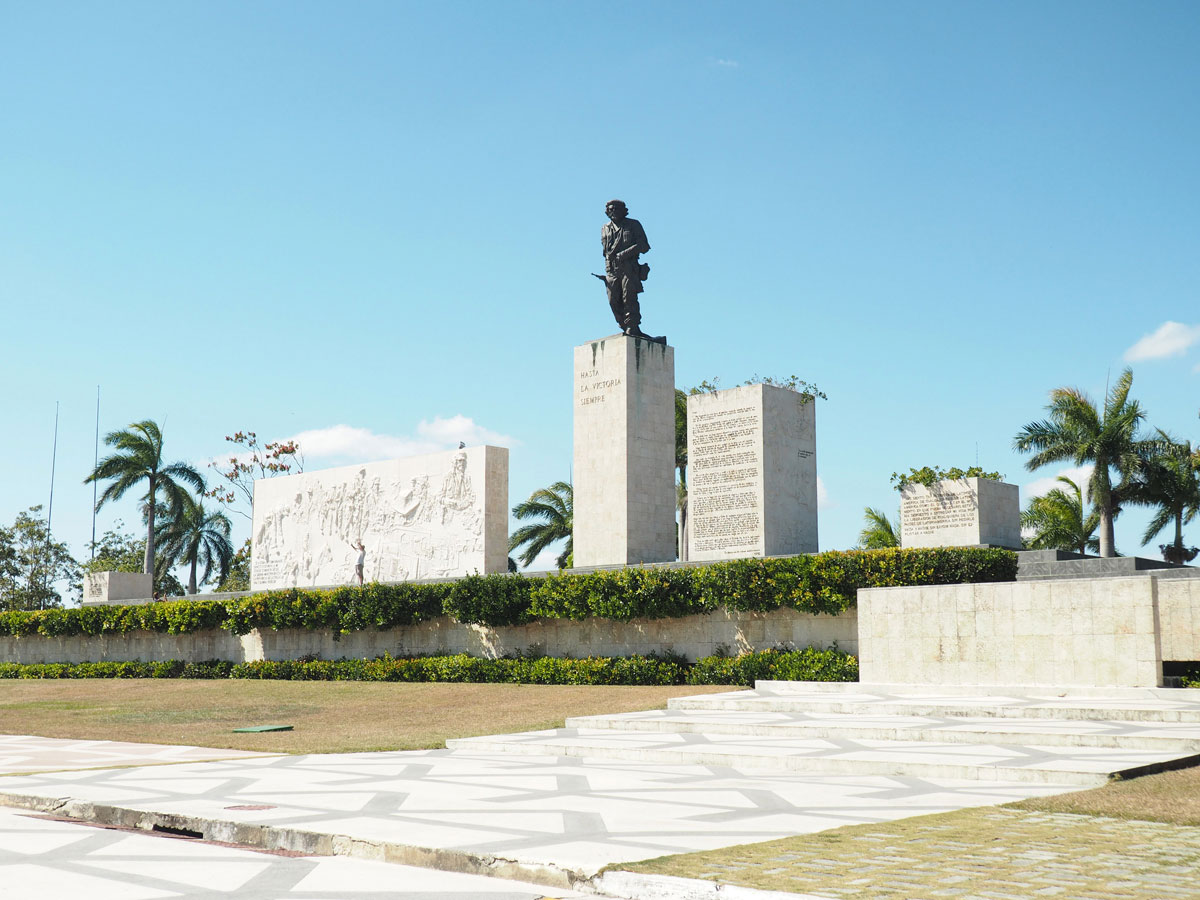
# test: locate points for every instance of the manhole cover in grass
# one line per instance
(258, 728)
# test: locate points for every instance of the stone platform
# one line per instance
(1013, 735)
(713, 771)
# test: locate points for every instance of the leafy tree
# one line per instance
(119, 551)
(252, 462)
(237, 576)
(1077, 431)
(139, 458)
(196, 537)
(32, 564)
(878, 531)
(1168, 479)
(553, 509)
(681, 460)
(1059, 520)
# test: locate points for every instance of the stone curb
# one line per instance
(317, 843)
(625, 885)
(667, 887)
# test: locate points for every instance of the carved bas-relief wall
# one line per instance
(435, 516)
(958, 513)
(752, 473)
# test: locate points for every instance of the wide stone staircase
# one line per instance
(1027, 735)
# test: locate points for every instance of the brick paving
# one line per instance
(982, 854)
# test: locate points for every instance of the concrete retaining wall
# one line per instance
(691, 636)
(1102, 631)
(1179, 617)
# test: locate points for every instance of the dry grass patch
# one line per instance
(988, 852)
(1168, 797)
(329, 717)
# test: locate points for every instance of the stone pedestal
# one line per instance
(624, 472)
(960, 513)
(752, 473)
(110, 588)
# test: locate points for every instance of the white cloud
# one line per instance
(727, 63)
(1043, 486)
(823, 501)
(1171, 339)
(348, 442)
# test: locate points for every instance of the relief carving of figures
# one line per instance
(414, 530)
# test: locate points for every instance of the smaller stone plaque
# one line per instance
(960, 513)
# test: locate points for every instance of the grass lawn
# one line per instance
(329, 717)
(1128, 839)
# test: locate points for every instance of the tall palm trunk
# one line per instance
(1179, 536)
(148, 568)
(1107, 538)
(192, 574)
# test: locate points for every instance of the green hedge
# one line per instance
(821, 583)
(806, 665)
(809, 664)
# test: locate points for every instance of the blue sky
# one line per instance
(373, 223)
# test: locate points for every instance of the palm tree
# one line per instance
(1059, 521)
(196, 537)
(1168, 479)
(555, 507)
(878, 531)
(139, 458)
(1077, 431)
(681, 461)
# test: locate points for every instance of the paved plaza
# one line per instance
(44, 858)
(555, 808)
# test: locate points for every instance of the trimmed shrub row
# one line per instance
(804, 665)
(821, 583)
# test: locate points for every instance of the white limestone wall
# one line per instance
(691, 636)
(146, 646)
(1179, 617)
(439, 515)
(1066, 632)
(960, 513)
(624, 462)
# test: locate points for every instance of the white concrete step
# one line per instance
(937, 704)
(1179, 738)
(1031, 764)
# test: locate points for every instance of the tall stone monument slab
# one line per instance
(624, 472)
(752, 473)
(434, 516)
(960, 513)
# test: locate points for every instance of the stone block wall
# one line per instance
(1079, 632)
(1179, 617)
(690, 636)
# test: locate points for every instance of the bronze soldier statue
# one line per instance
(624, 240)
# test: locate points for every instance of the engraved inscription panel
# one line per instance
(725, 480)
(947, 513)
(421, 517)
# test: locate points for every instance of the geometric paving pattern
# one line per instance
(555, 813)
(1063, 739)
(42, 859)
(21, 753)
(709, 772)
